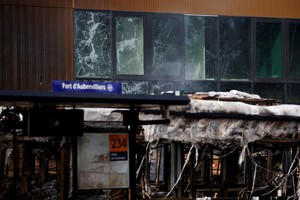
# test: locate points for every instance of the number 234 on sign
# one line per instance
(118, 142)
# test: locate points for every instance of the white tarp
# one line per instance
(216, 131)
(209, 130)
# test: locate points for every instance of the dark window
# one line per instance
(200, 86)
(293, 93)
(270, 90)
(200, 47)
(235, 48)
(129, 45)
(235, 85)
(165, 47)
(92, 44)
(268, 50)
(294, 51)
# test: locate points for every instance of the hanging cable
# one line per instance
(142, 162)
(179, 177)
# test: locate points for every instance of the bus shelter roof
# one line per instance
(86, 99)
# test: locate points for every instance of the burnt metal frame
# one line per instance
(28, 99)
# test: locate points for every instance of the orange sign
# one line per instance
(118, 143)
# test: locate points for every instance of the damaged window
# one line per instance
(129, 45)
(200, 47)
(165, 47)
(92, 46)
(235, 48)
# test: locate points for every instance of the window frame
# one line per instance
(130, 77)
(257, 79)
(110, 42)
(215, 75)
(249, 40)
(189, 85)
(287, 39)
(180, 18)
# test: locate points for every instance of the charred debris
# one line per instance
(222, 145)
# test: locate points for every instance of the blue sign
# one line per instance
(82, 86)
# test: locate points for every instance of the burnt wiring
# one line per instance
(280, 179)
(179, 176)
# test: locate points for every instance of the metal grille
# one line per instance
(28, 166)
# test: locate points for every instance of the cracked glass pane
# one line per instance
(92, 44)
(200, 47)
(129, 45)
(157, 87)
(235, 48)
(134, 87)
(165, 47)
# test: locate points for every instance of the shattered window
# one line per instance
(235, 48)
(294, 51)
(92, 44)
(134, 87)
(268, 50)
(165, 46)
(200, 47)
(129, 45)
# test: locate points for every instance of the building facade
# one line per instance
(153, 46)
